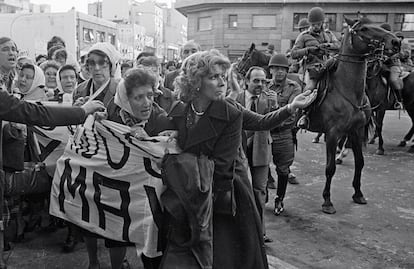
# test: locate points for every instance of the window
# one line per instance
(264, 21)
(88, 35)
(404, 22)
(232, 21)
(296, 18)
(111, 39)
(374, 17)
(205, 24)
(100, 36)
(330, 21)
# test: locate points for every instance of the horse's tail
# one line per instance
(369, 129)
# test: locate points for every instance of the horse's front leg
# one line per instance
(379, 123)
(331, 143)
(410, 133)
(356, 142)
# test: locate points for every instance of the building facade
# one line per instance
(22, 6)
(231, 26)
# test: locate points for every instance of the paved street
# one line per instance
(377, 235)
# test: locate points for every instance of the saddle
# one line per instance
(327, 70)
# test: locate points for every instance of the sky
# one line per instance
(65, 5)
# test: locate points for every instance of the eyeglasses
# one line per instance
(100, 63)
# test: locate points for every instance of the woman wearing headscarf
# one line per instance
(50, 69)
(14, 110)
(101, 63)
(66, 81)
(31, 83)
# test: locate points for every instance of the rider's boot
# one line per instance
(303, 122)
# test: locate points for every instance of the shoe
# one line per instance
(292, 179)
(278, 207)
(303, 122)
(271, 185)
(267, 239)
(315, 140)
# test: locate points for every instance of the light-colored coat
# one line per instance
(262, 141)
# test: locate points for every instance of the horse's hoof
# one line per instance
(339, 161)
(359, 200)
(328, 209)
(372, 141)
(403, 143)
(379, 152)
(411, 149)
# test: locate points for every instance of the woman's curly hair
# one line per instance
(194, 68)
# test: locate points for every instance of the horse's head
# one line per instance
(363, 37)
(252, 57)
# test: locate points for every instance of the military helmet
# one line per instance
(279, 60)
(399, 34)
(386, 26)
(316, 15)
(303, 23)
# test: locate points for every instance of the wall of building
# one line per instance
(233, 41)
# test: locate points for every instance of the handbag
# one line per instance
(33, 178)
(13, 147)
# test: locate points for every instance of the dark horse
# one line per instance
(345, 111)
(254, 57)
(382, 99)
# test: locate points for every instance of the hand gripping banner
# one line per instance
(99, 180)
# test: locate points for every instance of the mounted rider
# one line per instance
(405, 58)
(312, 45)
(393, 64)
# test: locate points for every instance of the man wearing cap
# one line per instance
(282, 138)
(405, 58)
(312, 44)
(297, 65)
(256, 144)
(393, 64)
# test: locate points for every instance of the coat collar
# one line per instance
(206, 127)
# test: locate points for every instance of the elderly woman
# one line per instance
(11, 109)
(66, 81)
(50, 69)
(101, 64)
(31, 83)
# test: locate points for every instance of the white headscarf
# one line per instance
(111, 52)
(121, 98)
(36, 91)
(67, 97)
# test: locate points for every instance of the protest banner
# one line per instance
(99, 180)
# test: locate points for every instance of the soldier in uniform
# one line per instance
(312, 43)
(406, 61)
(393, 64)
(282, 138)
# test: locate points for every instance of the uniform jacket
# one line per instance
(106, 95)
(286, 92)
(310, 39)
(261, 140)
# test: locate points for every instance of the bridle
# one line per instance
(241, 66)
(376, 52)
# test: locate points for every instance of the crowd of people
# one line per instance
(242, 126)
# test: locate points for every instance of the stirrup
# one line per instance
(398, 105)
